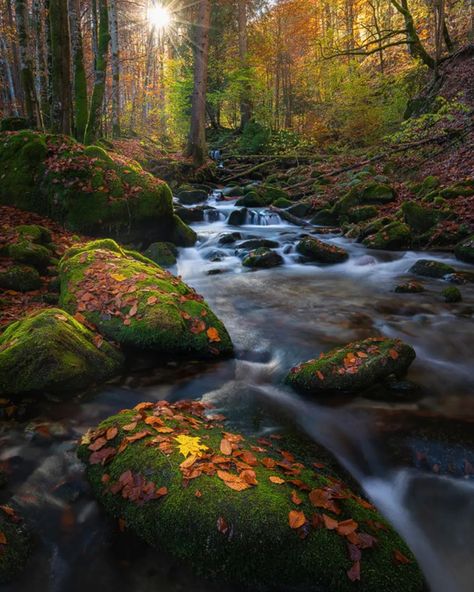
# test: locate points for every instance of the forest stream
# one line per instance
(427, 492)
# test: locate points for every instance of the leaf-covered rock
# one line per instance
(353, 367)
(136, 303)
(316, 250)
(49, 351)
(87, 189)
(240, 509)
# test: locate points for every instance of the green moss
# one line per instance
(50, 351)
(14, 554)
(97, 152)
(29, 253)
(361, 213)
(175, 322)
(182, 235)
(252, 199)
(282, 202)
(353, 367)
(325, 217)
(14, 124)
(34, 233)
(162, 253)
(20, 278)
(464, 250)
(262, 257)
(192, 196)
(316, 250)
(395, 235)
(421, 219)
(451, 294)
(378, 193)
(258, 550)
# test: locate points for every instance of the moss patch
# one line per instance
(395, 235)
(51, 352)
(135, 302)
(227, 513)
(20, 278)
(353, 367)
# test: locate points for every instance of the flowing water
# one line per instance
(276, 318)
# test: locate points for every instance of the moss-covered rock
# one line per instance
(464, 251)
(260, 196)
(189, 215)
(282, 202)
(31, 254)
(361, 213)
(409, 288)
(252, 199)
(16, 549)
(451, 294)
(14, 124)
(431, 268)
(393, 236)
(163, 254)
(87, 189)
(50, 351)
(378, 193)
(325, 217)
(353, 367)
(316, 250)
(262, 257)
(34, 233)
(181, 234)
(136, 303)
(301, 209)
(20, 278)
(238, 509)
(428, 185)
(421, 219)
(192, 196)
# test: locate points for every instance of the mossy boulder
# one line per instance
(393, 236)
(300, 210)
(325, 217)
(17, 547)
(189, 215)
(464, 251)
(353, 367)
(20, 278)
(49, 351)
(181, 234)
(431, 268)
(451, 295)
(163, 254)
(251, 512)
(361, 213)
(421, 219)
(136, 303)
(14, 124)
(31, 254)
(410, 287)
(89, 191)
(428, 185)
(316, 250)
(192, 197)
(252, 200)
(282, 202)
(377, 193)
(34, 233)
(262, 257)
(260, 196)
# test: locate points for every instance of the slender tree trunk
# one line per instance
(415, 46)
(148, 72)
(32, 109)
(245, 105)
(197, 135)
(79, 71)
(61, 105)
(97, 100)
(40, 58)
(115, 63)
(15, 55)
(10, 85)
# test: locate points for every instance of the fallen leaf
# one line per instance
(295, 499)
(277, 480)
(330, 523)
(97, 444)
(213, 334)
(111, 433)
(400, 557)
(226, 447)
(222, 525)
(393, 354)
(354, 573)
(296, 519)
(3, 538)
(347, 527)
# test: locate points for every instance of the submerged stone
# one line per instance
(316, 250)
(431, 268)
(136, 303)
(353, 367)
(49, 351)
(410, 287)
(451, 295)
(253, 512)
(263, 258)
(255, 243)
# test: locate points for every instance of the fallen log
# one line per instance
(289, 217)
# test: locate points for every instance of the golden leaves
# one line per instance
(190, 445)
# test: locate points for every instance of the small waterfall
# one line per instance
(213, 215)
(262, 218)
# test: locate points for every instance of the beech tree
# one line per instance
(61, 99)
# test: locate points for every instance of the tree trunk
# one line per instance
(115, 63)
(61, 104)
(15, 56)
(415, 46)
(79, 71)
(97, 99)
(32, 109)
(245, 105)
(10, 85)
(197, 136)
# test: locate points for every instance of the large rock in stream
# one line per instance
(255, 512)
(352, 368)
(136, 303)
(316, 250)
(51, 352)
(87, 189)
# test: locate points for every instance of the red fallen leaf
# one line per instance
(296, 519)
(316, 521)
(197, 326)
(144, 405)
(98, 341)
(355, 554)
(249, 476)
(393, 354)
(354, 573)
(213, 334)
(111, 433)
(3, 538)
(152, 300)
(300, 484)
(318, 465)
(226, 447)
(320, 374)
(138, 436)
(364, 540)
(321, 498)
(268, 462)
(249, 458)
(198, 493)
(102, 456)
(222, 525)
(105, 478)
(330, 523)
(347, 527)
(275, 479)
(400, 557)
(98, 444)
(295, 499)
(162, 491)
(287, 456)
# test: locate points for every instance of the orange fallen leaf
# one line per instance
(226, 447)
(400, 557)
(296, 519)
(111, 433)
(277, 480)
(222, 525)
(295, 499)
(3, 538)
(347, 527)
(213, 334)
(330, 523)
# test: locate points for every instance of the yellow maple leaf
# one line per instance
(118, 277)
(190, 445)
